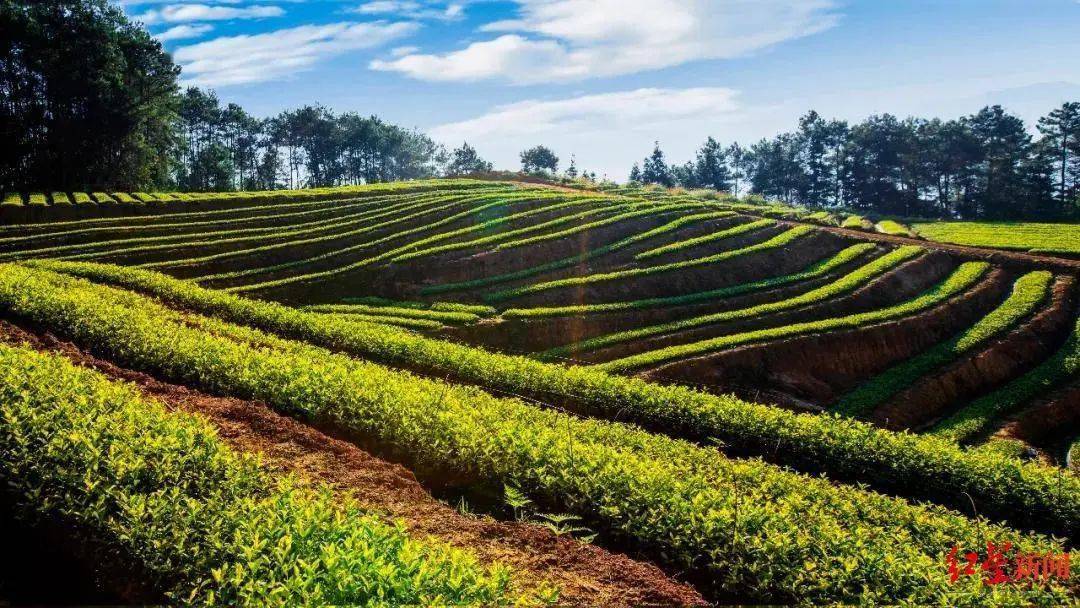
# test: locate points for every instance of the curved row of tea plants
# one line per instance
(815, 270)
(1025, 493)
(357, 213)
(201, 524)
(845, 284)
(976, 417)
(960, 281)
(1028, 293)
(473, 205)
(560, 201)
(705, 238)
(672, 226)
(59, 199)
(744, 528)
(781, 240)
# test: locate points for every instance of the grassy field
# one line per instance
(1022, 236)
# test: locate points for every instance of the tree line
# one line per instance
(983, 166)
(90, 101)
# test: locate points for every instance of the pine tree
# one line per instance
(1061, 130)
(655, 170)
(571, 171)
(710, 168)
(635, 174)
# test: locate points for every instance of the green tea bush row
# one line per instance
(745, 528)
(509, 234)
(202, 524)
(396, 311)
(845, 284)
(893, 228)
(976, 417)
(356, 216)
(560, 201)
(479, 310)
(963, 278)
(781, 240)
(671, 226)
(706, 238)
(815, 270)
(279, 212)
(1028, 293)
(639, 210)
(1025, 493)
(435, 206)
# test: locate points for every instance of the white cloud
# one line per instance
(180, 13)
(181, 32)
(401, 51)
(413, 9)
(607, 131)
(567, 40)
(277, 54)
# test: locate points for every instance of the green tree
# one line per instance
(1005, 145)
(738, 158)
(539, 159)
(572, 170)
(655, 169)
(710, 167)
(1061, 132)
(635, 174)
(466, 161)
(87, 98)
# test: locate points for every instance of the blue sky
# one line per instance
(603, 79)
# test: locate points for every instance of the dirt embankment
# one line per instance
(988, 368)
(588, 575)
(817, 368)
(899, 284)
(1047, 422)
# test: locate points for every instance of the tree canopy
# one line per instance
(539, 160)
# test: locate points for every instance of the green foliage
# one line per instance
(815, 270)
(11, 199)
(59, 198)
(893, 228)
(963, 278)
(36, 199)
(857, 222)
(81, 198)
(847, 283)
(753, 529)
(776, 242)
(1024, 236)
(577, 259)
(974, 418)
(452, 317)
(1031, 495)
(204, 525)
(1028, 292)
(706, 238)
(125, 198)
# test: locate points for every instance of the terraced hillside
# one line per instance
(744, 403)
